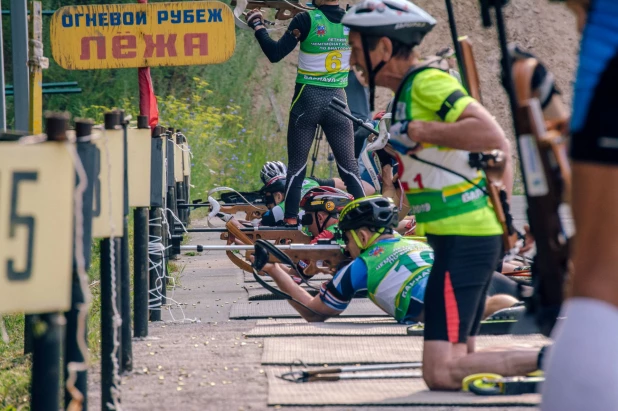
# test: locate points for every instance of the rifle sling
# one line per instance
(284, 258)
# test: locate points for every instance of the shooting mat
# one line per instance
(259, 293)
(318, 278)
(363, 320)
(328, 328)
(404, 391)
(359, 307)
(369, 350)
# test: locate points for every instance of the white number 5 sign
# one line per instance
(36, 227)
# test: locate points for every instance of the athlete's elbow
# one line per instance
(273, 58)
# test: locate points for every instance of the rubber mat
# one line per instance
(404, 391)
(248, 278)
(359, 307)
(260, 294)
(361, 320)
(487, 328)
(369, 350)
(328, 328)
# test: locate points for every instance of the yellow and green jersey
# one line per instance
(442, 202)
(324, 58)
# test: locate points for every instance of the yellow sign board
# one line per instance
(36, 227)
(142, 35)
(111, 150)
(138, 147)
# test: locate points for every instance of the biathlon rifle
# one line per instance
(316, 258)
(546, 176)
(279, 236)
(286, 9)
(330, 254)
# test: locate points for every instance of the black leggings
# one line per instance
(457, 285)
(310, 109)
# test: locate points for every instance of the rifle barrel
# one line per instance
(221, 204)
(246, 230)
(356, 120)
(200, 247)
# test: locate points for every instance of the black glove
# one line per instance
(261, 258)
(543, 80)
(255, 19)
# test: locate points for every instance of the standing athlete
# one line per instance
(323, 67)
(439, 125)
(582, 366)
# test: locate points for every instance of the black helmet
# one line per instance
(372, 212)
(273, 169)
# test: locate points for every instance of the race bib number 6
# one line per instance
(36, 227)
(333, 61)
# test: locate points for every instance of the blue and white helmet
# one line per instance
(399, 20)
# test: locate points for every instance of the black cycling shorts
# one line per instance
(593, 122)
(458, 284)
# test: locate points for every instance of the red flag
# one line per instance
(147, 99)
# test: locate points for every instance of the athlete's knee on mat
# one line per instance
(439, 362)
(439, 378)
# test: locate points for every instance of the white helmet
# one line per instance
(273, 169)
(399, 20)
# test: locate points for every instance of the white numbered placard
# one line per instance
(138, 148)
(101, 227)
(36, 227)
(178, 175)
(186, 160)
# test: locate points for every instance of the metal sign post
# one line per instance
(87, 153)
(19, 39)
(36, 63)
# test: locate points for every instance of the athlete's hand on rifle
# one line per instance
(255, 19)
(405, 136)
(262, 266)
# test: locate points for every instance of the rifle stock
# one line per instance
(471, 73)
(285, 9)
(548, 177)
(251, 212)
(233, 234)
(330, 255)
(278, 236)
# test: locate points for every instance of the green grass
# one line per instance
(14, 365)
(231, 137)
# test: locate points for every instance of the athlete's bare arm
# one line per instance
(321, 311)
(475, 130)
